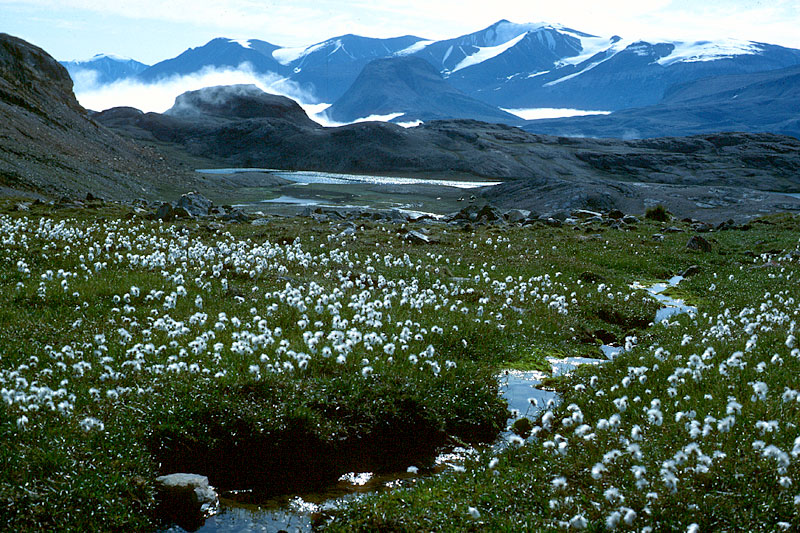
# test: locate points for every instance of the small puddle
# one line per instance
(242, 511)
(671, 306)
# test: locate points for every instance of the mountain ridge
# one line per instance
(506, 64)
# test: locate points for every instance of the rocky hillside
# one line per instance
(717, 175)
(51, 147)
(237, 131)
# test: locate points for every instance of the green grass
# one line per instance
(119, 385)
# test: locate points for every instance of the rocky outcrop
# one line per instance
(238, 102)
(50, 145)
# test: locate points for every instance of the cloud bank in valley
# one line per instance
(160, 95)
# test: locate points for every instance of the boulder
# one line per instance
(516, 216)
(165, 212)
(696, 242)
(195, 204)
(185, 499)
(416, 237)
(489, 213)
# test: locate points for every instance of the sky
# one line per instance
(153, 30)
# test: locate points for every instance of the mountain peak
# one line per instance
(409, 88)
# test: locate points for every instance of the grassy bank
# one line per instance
(264, 355)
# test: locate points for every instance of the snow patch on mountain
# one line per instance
(486, 53)
(414, 48)
(505, 31)
(287, 56)
(590, 47)
(709, 51)
(244, 43)
(613, 50)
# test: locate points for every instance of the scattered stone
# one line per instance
(690, 271)
(674, 229)
(616, 214)
(417, 237)
(260, 222)
(553, 222)
(701, 227)
(236, 215)
(584, 214)
(630, 219)
(515, 216)
(185, 499)
(696, 242)
(23, 206)
(727, 224)
(658, 237)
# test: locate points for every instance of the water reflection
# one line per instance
(331, 178)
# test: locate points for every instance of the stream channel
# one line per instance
(244, 511)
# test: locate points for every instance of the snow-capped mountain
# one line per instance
(103, 69)
(409, 89)
(330, 67)
(218, 53)
(507, 65)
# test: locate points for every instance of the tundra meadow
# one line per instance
(285, 355)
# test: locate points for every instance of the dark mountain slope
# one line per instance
(330, 67)
(50, 146)
(757, 102)
(217, 53)
(410, 85)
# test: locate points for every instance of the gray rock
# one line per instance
(181, 213)
(260, 222)
(673, 229)
(630, 219)
(165, 212)
(701, 227)
(583, 214)
(185, 499)
(417, 237)
(489, 214)
(696, 242)
(195, 204)
(236, 215)
(515, 216)
(553, 222)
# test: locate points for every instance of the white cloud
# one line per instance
(160, 96)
